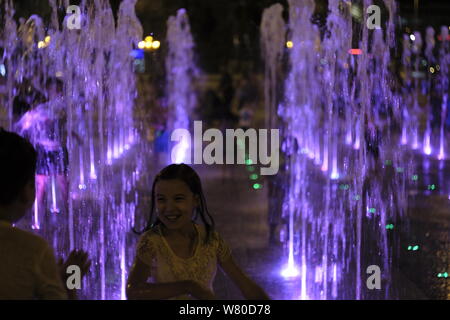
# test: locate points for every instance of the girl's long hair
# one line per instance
(188, 175)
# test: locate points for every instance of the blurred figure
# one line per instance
(45, 125)
(226, 91)
(247, 99)
(210, 109)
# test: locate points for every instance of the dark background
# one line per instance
(228, 30)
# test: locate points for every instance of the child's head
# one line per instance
(178, 199)
(17, 176)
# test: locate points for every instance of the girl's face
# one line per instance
(175, 203)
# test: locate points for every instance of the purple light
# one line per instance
(54, 207)
(357, 144)
(123, 268)
(325, 160)
(427, 144)
(93, 175)
(36, 224)
(415, 144)
(109, 157)
(334, 175)
(317, 160)
(290, 271)
(348, 138)
(116, 152)
(318, 274)
(441, 155)
(404, 139)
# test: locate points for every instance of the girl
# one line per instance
(178, 255)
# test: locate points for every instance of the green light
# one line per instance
(415, 248)
(431, 187)
(439, 275)
(253, 176)
(251, 168)
(400, 170)
(372, 210)
(445, 275)
(390, 226)
(357, 197)
(409, 247)
(388, 162)
(415, 177)
(257, 186)
(248, 162)
(344, 187)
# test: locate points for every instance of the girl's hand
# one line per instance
(199, 291)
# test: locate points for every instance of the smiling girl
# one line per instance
(177, 258)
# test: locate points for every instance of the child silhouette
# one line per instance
(28, 269)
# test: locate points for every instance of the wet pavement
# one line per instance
(241, 215)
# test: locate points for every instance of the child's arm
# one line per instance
(250, 290)
(139, 288)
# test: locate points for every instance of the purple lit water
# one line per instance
(181, 75)
(337, 220)
(99, 92)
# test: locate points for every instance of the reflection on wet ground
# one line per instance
(241, 215)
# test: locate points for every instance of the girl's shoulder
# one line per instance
(217, 244)
(215, 235)
(148, 245)
(154, 232)
(150, 236)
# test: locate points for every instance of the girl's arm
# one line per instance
(139, 288)
(250, 290)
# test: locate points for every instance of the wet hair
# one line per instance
(17, 165)
(188, 175)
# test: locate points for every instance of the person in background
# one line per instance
(45, 126)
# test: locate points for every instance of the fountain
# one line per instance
(347, 187)
(181, 74)
(349, 134)
(96, 68)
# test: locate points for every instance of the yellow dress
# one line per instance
(166, 266)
